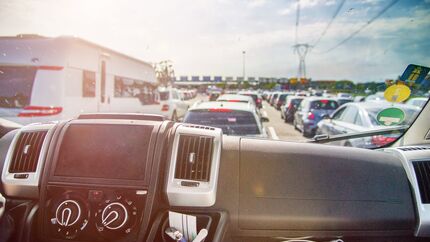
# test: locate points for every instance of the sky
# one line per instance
(207, 37)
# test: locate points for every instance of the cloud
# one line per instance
(256, 3)
(286, 11)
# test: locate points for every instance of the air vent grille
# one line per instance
(194, 157)
(422, 172)
(410, 148)
(199, 127)
(27, 151)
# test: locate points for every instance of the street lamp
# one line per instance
(243, 71)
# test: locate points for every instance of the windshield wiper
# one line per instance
(325, 138)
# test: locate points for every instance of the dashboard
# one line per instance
(115, 178)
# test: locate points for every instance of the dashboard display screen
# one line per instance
(104, 151)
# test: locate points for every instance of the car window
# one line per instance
(164, 95)
(358, 121)
(350, 114)
(339, 113)
(324, 104)
(16, 84)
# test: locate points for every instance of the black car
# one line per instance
(290, 107)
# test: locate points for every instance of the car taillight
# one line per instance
(165, 107)
(221, 110)
(311, 116)
(290, 106)
(380, 140)
(38, 111)
(258, 100)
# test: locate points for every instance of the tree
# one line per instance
(164, 72)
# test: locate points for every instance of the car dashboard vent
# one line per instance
(411, 148)
(27, 151)
(194, 166)
(194, 157)
(422, 172)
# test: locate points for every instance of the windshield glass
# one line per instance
(59, 59)
(231, 122)
(16, 84)
(324, 104)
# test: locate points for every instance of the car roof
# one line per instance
(310, 99)
(237, 106)
(235, 97)
(380, 104)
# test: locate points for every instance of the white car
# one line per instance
(236, 98)
(234, 118)
(417, 101)
(172, 105)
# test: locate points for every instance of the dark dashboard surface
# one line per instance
(264, 188)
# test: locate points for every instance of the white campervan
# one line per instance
(44, 79)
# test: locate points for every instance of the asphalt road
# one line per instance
(284, 131)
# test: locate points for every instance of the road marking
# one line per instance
(272, 132)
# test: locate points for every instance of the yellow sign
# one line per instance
(397, 93)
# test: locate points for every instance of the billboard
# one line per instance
(229, 78)
(183, 78)
(251, 79)
(239, 79)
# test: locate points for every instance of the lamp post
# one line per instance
(243, 65)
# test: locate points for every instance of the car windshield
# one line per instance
(324, 104)
(59, 59)
(231, 122)
(16, 83)
(164, 95)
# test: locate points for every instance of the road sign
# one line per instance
(414, 74)
(390, 116)
(397, 93)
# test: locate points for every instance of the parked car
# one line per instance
(214, 95)
(417, 101)
(236, 99)
(280, 100)
(359, 117)
(310, 112)
(341, 101)
(379, 96)
(73, 77)
(234, 118)
(273, 97)
(344, 95)
(172, 106)
(289, 108)
(258, 100)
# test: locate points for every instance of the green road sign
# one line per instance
(390, 116)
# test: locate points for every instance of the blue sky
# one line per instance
(206, 37)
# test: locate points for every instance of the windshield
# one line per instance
(59, 59)
(16, 84)
(231, 122)
(324, 104)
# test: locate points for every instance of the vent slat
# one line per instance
(199, 169)
(27, 151)
(422, 172)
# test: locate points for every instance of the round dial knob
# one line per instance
(114, 216)
(68, 213)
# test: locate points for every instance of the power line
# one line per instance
(339, 7)
(362, 27)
